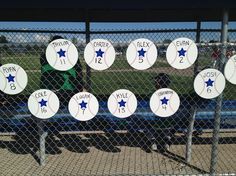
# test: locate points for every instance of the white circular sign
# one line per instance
(43, 103)
(181, 53)
(230, 70)
(13, 79)
(99, 54)
(83, 106)
(62, 54)
(122, 103)
(141, 54)
(209, 83)
(164, 102)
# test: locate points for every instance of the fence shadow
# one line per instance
(73, 143)
(109, 142)
(181, 159)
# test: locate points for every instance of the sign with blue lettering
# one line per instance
(209, 83)
(13, 79)
(164, 102)
(99, 54)
(122, 103)
(182, 53)
(83, 106)
(62, 54)
(43, 103)
(141, 54)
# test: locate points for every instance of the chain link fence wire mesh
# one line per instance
(142, 144)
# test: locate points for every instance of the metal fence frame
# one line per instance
(224, 33)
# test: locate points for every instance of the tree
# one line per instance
(74, 41)
(167, 41)
(3, 39)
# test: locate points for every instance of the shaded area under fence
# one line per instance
(101, 154)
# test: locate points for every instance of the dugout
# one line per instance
(127, 11)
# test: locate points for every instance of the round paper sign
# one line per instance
(141, 54)
(182, 53)
(230, 70)
(13, 79)
(62, 54)
(209, 83)
(99, 54)
(83, 106)
(43, 103)
(164, 102)
(122, 103)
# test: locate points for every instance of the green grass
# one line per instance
(140, 83)
(28, 62)
(204, 61)
(33, 83)
(121, 63)
(106, 82)
(229, 92)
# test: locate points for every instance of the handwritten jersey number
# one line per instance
(164, 107)
(208, 90)
(43, 110)
(12, 86)
(63, 61)
(121, 110)
(98, 60)
(140, 60)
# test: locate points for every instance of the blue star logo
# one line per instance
(141, 52)
(10, 78)
(61, 53)
(83, 104)
(209, 83)
(164, 101)
(122, 103)
(99, 53)
(43, 103)
(182, 52)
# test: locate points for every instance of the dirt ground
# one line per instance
(100, 155)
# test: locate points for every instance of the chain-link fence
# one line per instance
(142, 144)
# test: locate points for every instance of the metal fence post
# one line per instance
(88, 69)
(193, 109)
(198, 38)
(188, 153)
(214, 150)
(42, 141)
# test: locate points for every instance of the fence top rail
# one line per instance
(205, 44)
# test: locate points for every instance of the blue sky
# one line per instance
(108, 26)
(61, 26)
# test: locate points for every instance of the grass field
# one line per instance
(121, 75)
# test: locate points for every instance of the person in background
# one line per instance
(215, 56)
(161, 139)
(161, 135)
(64, 83)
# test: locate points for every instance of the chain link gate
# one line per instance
(139, 145)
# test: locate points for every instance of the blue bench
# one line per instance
(105, 121)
